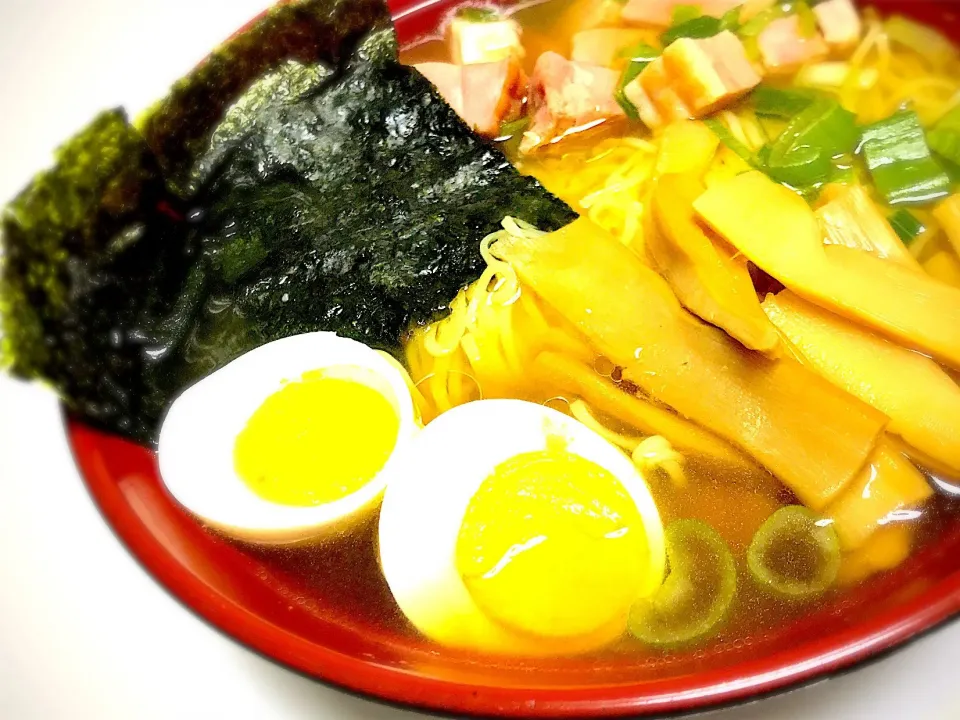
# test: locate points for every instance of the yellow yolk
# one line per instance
(552, 545)
(316, 440)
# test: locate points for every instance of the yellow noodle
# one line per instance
(509, 345)
(732, 121)
(903, 76)
(648, 454)
(874, 30)
(580, 411)
(656, 452)
(419, 402)
(437, 384)
(753, 130)
(476, 341)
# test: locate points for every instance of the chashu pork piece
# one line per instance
(485, 95)
(566, 96)
(784, 47)
(840, 24)
(693, 78)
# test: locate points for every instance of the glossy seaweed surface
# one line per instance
(334, 192)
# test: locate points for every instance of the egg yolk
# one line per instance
(552, 545)
(316, 440)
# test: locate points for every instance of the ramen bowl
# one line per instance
(290, 605)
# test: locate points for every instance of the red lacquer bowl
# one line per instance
(296, 609)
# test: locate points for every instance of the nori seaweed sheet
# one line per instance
(178, 127)
(344, 195)
(359, 202)
(91, 252)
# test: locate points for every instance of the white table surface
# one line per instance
(84, 632)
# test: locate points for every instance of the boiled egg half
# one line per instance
(508, 527)
(289, 442)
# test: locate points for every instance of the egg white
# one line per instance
(197, 438)
(428, 491)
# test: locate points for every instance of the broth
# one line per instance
(345, 572)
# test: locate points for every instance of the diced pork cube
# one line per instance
(660, 12)
(840, 24)
(484, 94)
(603, 46)
(447, 78)
(482, 42)
(693, 78)
(710, 72)
(493, 93)
(655, 96)
(784, 48)
(567, 95)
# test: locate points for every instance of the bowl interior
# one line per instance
(294, 605)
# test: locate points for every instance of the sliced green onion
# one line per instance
(900, 163)
(509, 128)
(795, 553)
(683, 13)
(697, 592)
(699, 27)
(843, 172)
(803, 154)
(758, 23)
(728, 139)
(906, 225)
(951, 168)
(640, 53)
(824, 125)
(917, 182)
(476, 14)
(804, 168)
(781, 103)
(944, 137)
(640, 56)
(511, 133)
(808, 20)
(731, 19)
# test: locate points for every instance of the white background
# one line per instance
(84, 632)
